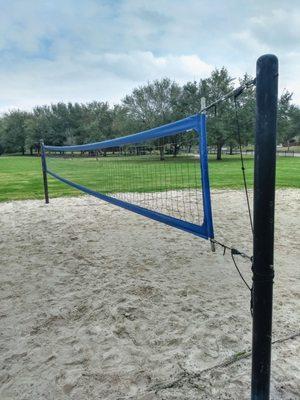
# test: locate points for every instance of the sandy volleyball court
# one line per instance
(100, 303)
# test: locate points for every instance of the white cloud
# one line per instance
(140, 66)
(81, 50)
(280, 28)
(289, 79)
(88, 76)
(277, 32)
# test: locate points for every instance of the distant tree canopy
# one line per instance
(156, 103)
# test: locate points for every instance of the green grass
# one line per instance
(20, 177)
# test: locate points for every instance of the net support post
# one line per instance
(263, 240)
(205, 179)
(44, 170)
(203, 105)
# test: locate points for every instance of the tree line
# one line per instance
(156, 103)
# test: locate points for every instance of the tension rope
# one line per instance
(234, 252)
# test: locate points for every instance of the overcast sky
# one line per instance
(84, 50)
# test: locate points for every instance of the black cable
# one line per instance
(242, 159)
(233, 93)
(235, 251)
(238, 270)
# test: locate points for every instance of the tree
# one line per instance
(285, 109)
(153, 105)
(157, 103)
(220, 124)
(13, 132)
(189, 101)
(294, 123)
(246, 115)
(98, 120)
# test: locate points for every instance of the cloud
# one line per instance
(278, 32)
(280, 29)
(83, 50)
(137, 65)
(89, 76)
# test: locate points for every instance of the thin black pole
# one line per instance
(44, 169)
(263, 242)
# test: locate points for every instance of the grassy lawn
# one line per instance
(20, 177)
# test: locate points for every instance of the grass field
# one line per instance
(20, 177)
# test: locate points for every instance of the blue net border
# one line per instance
(196, 122)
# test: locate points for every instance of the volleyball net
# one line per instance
(161, 173)
(143, 173)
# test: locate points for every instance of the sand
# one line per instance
(100, 303)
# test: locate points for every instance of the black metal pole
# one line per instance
(263, 242)
(44, 169)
